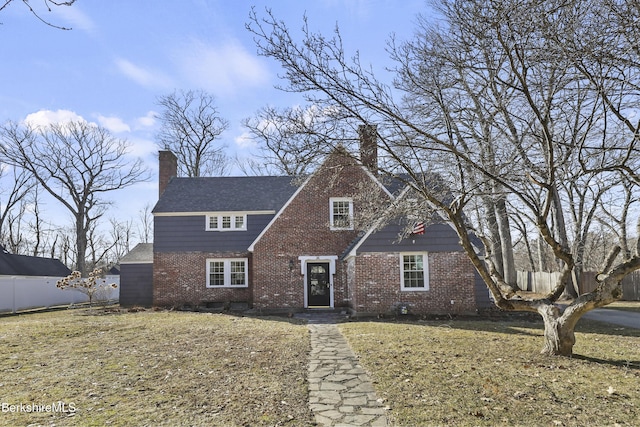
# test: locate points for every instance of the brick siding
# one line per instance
(375, 285)
(167, 169)
(179, 278)
(302, 229)
(368, 283)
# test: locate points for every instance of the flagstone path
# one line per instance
(340, 391)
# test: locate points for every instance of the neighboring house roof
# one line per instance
(23, 265)
(226, 194)
(142, 253)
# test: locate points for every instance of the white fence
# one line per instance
(19, 293)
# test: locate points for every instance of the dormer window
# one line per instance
(226, 222)
(238, 222)
(341, 213)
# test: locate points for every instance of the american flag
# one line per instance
(418, 228)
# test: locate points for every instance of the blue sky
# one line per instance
(122, 54)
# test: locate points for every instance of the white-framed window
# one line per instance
(414, 271)
(341, 213)
(226, 222)
(227, 273)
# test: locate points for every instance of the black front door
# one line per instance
(318, 286)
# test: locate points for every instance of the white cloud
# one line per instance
(113, 124)
(244, 141)
(76, 18)
(142, 76)
(48, 117)
(222, 69)
(141, 147)
(148, 120)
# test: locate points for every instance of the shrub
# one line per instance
(93, 286)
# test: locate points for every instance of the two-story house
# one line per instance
(277, 244)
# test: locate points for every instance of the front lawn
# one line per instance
(173, 368)
(483, 373)
(152, 368)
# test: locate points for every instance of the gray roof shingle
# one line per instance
(220, 194)
(142, 253)
(24, 265)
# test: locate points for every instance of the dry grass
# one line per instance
(171, 368)
(475, 373)
(154, 368)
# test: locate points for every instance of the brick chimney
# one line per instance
(369, 147)
(168, 168)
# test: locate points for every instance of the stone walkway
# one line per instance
(340, 391)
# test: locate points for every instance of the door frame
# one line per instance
(331, 260)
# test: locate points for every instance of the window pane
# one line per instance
(239, 222)
(213, 222)
(413, 271)
(413, 279)
(216, 273)
(341, 211)
(226, 222)
(238, 273)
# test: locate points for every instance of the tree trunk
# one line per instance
(81, 247)
(532, 262)
(541, 257)
(561, 235)
(559, 336)
(502, 219)
(559, 328)
(494, 235)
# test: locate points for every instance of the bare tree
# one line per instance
(47, 4)
(495, 106)
(122, 234)
(145, 224)
(13, 195)
(191, 127)
(106, 247)
(287, 138)
(24, 226)
(76, 163)
(13, 236)
(63, 247)
(36, 226)
(616, 212)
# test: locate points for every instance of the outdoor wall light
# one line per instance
(292, 265)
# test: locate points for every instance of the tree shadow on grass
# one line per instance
(520, 323)
(628, 364)
(535, 328)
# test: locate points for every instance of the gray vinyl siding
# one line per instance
(187, 233)
(136, 285)
(482, 293)
(436, 238)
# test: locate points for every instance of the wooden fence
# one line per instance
(542, 282)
